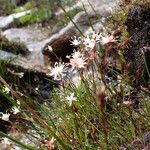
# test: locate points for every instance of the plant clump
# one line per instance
(94, 105)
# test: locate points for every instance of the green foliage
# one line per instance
(27, 6)
(41, 15)
(41, 11)
(36, 16)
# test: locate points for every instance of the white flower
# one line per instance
(6, 141)
(75, 41)
(127, 102)
(7, 90)
(50, 48)
(58, 71)
(31, 49)
(108, 39)
(89, 42)
(77, 55)
(18, 102)
(36, 88)
(5, 116)
(96, 36)
(71, 98)
(20, 74)
(77, 60)
(15, 110)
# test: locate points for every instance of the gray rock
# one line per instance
(6, 21)
(22, 62)
(37, 38)
(33, 37)
(102, 8)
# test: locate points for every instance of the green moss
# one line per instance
(27, 6)
(11, 46)
(35, 17)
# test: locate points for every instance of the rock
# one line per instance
(13, 46)
(6, 21)
(138, 26)
(22, 62)
(34, 43)
(26, 78)
(35, 85)
(60, 41)
(31, 81)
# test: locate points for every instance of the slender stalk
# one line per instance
(147, 69)
(72, 20)
(90, 23)
(98, 17)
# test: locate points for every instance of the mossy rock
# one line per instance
(138, 52)
(12, 46)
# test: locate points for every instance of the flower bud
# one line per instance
(101, 97)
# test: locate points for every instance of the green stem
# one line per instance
(39, 119)
(90, 23)
(72, 21)
(147, 69)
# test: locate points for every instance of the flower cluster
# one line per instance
(107, 39)
(77, 60)
(5, 116)
(82, 57)
(14, 110)
(88, 42)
